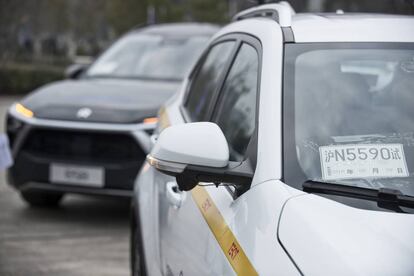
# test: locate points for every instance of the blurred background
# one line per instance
(39, 38)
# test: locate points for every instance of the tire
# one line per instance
(137, 257)
(41, 199)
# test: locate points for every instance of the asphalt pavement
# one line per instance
(84, 236)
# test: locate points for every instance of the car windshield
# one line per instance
(352, 113)
(149, 57)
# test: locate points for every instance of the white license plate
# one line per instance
(77, 175)
(6, 159)
(363, 161)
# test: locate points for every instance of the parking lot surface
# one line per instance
(84, 236)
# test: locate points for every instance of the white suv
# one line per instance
(289, 151)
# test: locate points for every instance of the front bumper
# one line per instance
(119, 150)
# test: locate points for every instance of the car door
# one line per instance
(182, 229)
(192, 240)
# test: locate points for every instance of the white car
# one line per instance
(289, 151)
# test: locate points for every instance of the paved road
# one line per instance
(85, 236)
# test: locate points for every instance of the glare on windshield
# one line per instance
(353, 114)
(149, 57)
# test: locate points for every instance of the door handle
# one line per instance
(174, 195)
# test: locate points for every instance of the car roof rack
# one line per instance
(281, 12)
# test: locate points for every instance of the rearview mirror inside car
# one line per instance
(197, 152)
(74, 71)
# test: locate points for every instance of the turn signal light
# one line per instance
(151, 120)
(24, 111)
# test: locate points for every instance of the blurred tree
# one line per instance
(122, 15)
(168, 10)
(208, 10)
(379, 6)
(90, 24)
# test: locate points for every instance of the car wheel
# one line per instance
(136, 253)
(37, 198)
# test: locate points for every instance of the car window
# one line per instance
(149, 57)
(207, 79)
(237, 102)
(352, 114)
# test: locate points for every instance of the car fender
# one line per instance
(146, 211)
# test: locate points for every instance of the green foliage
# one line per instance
(395, 6)
(209, 10)
(24, 78)
(167, 11)
(125, 14)
(121, 17)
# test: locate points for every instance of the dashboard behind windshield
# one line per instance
(149, 57)
(349, 114)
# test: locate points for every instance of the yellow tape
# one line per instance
(164, 121)
(223, 234)
(215, 220)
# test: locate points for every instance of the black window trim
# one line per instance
(196, 69)
(254, 42)
(239, 39)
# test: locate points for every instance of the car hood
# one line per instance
(110, 100)
(324, 237)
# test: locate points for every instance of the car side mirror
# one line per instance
(74, 71)
(197, 152)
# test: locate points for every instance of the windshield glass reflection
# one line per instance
(354, 116)
(149, 57)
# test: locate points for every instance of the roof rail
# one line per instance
(281, 12)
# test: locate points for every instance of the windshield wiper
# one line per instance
(386, 198)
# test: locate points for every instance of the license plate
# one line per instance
(77, 175)
(6, 159)
(363, 161)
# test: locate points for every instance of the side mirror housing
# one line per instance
(74, 71)
(197, 152)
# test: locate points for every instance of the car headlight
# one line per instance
(22, 110)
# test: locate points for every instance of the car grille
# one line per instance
(83, 146)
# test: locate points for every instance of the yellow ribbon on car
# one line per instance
(164, 121)
(215, 220)
(222, 232)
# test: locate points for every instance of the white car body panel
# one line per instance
(370, 243)
(179, 233)
(270, 205)
(147, 198)
(253, 219)
(269, 33)
(352, 28)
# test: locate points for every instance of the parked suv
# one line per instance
(91, 134)
(289, 151)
